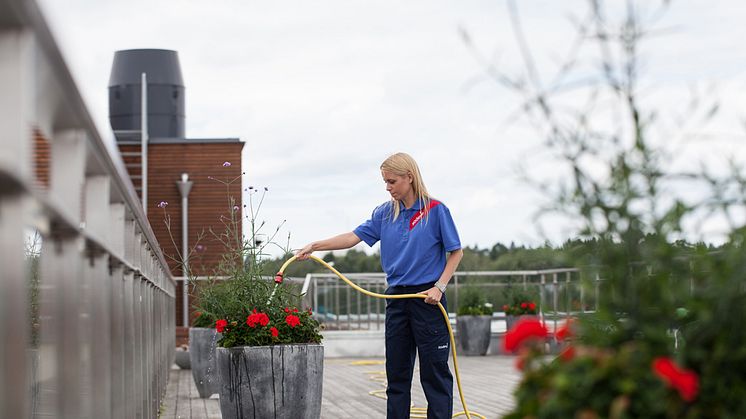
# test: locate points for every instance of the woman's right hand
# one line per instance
(305, 252)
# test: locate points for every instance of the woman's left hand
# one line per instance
(433, 296)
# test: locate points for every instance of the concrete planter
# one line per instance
(282, 381)
(181, 358)
(510, 320)
(202, 342)
(474, 334)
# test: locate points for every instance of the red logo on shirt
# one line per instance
(421, 213)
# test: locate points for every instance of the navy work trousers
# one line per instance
(415, 327)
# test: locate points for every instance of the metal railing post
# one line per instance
(17, 47)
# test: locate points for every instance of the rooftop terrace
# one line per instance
(488, 383)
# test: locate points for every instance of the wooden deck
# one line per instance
(488, 383)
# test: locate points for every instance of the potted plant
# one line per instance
(473, 322)
(268, 357)
(521, 306)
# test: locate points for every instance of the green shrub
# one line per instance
(473, 303)
(667, 338)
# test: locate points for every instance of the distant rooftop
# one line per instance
(134, 138)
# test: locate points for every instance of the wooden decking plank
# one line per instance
(213, 408)
(183, 410)
(488, 383)
(168, 410)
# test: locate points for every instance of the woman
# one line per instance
(420, 250)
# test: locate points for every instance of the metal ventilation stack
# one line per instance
(165, 92)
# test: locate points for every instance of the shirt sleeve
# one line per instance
(448, 231)
(370, 230)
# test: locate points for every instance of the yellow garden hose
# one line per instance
(465, 412)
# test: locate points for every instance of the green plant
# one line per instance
(520, 304)
(241, 300)
(519, 300)
(473, 303)
(666, 339)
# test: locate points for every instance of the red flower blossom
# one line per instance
(520, 363)
(567, 354)
(531, 306)
(274, 331)
(686, 382)
(524, 305)
(292, 320)
(287, 309)
(505, 307)
(257, 318)
(564, 332)
(523, 330)
(220, 325)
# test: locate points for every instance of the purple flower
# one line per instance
(162, 204)
(199, 248)
(227, 164)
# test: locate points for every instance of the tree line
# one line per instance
(576, 253)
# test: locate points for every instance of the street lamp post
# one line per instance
(185, 185)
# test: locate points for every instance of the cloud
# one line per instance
(322, 92)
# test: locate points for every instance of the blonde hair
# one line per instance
(402, 164)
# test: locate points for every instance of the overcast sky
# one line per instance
(322, 92)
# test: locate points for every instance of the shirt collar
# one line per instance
(415, 207)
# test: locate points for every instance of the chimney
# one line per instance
(165, 94)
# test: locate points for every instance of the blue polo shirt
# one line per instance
(414, 246)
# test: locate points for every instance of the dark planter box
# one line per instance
(202, 342)
(474, 334)
(260, 382)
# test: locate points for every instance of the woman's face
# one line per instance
(398, 186)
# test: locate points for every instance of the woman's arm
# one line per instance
(452, 260)
(342, 241)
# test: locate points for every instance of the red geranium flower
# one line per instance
(520, 363)
(220, 325)
(292, 320)
(523, 330)
(564, 332)
(274, 331)
(532, 306)
(686, 382)
(257, 318)
(567, 354)
(524, 305)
